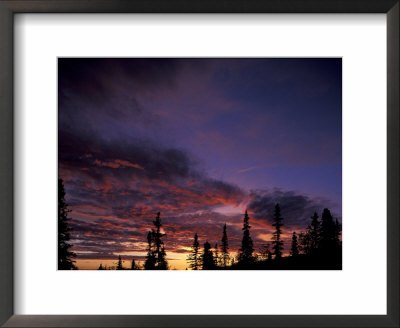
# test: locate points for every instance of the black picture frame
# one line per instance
(10, 7)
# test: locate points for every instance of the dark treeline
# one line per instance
(65, 255)
(318, 247)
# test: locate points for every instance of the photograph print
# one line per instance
(199, 164)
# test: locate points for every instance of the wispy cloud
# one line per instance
(251, 168)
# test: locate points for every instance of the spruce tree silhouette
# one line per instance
(277, 243)
(309, 240)
(156, 256)
(264, 252)
(294, 251)
(208, 259)
(338, 230)
(119, 265)
(245, 256)
(161, 262)
(100, 267)
(305, 242)
(329, 239)
(133, 265)
(269, 256)
(65, 255)
(217, 260)
(314, 233)
(150, 263)
(194, 256)
(224, 248)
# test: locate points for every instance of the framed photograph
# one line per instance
(199, 164)
(192, 190)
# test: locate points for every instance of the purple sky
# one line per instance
(200, 140)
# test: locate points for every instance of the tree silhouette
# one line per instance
(265, 252)
(156, 256)
(294, 251)
(338, 230)
(161, 262)
(194, 256)
(133, 265)
(150, 263)
(310, 239)
(277, 243)
(217, 260)
(100, 267)
(65, 255)
(208, 259)
(329, 234)
(246, 251)
(269, 257)
(305, 243)
(224, 248)
(119, 264)
(314, 233)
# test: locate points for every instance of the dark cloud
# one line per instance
(135, 170)
(105, 95)
(142, 157)
(98, 79)
(296, 209)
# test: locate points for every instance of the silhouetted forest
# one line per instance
(318, 247)
(65, 256)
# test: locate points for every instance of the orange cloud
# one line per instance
(118, 163)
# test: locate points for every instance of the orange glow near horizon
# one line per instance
(176, 261)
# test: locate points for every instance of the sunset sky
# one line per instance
(201, 141)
